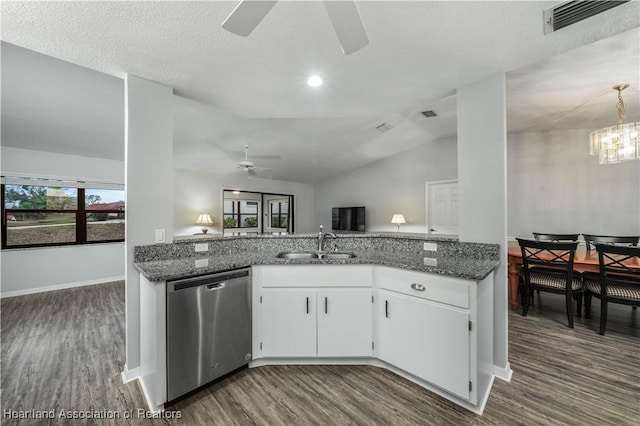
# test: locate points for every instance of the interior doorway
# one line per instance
(441, 198)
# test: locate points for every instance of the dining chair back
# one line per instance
(618, 282)
(592, 240)
(540, 236)
(548, 266)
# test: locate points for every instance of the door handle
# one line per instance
(326, 305)
(216, 286)
(307, 305)
(418, 287)
(386, 309)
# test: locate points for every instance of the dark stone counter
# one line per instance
(460, 265)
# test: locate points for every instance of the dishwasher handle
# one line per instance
(210, 282)
(216, 286)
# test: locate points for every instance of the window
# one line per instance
(279, 213)
(240, 214)
(39, 215)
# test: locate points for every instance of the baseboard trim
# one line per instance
(60, 286)
(130, 375)
(503, 373)
(147, 397)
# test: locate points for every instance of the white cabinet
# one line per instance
(344, 322)
(425, 339)
(310, 311)
(437, 328)
(288, 322)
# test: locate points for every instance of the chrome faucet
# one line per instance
(322, 236)
(320, 239)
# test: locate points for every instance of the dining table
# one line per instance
(584, 261)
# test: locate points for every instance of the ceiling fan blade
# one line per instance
(266, 157)
(347, 25)
(246, 16)
(252, 172)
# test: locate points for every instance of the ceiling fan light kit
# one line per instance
(250, 167)
(344, 17)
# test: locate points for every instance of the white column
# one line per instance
(148, 186)
(482, 188)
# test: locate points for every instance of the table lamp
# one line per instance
(204, 220)
(398, 219)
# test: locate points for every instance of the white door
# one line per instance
(442, 207)
(344, 322)
(288, 322)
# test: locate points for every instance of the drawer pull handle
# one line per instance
(417, 287)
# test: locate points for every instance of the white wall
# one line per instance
(555, 186)
(197, 192)
(482, 181)
(39, 269)
(393, 185)
(149, 184)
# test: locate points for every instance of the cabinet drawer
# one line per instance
(316, 275)
(449, 290)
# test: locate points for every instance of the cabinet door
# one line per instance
(447, 348)
(288, 322)
(426, 339)
(344, 322)
(400, 341)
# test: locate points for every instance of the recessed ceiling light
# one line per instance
(314, 81)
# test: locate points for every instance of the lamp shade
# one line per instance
(204, 219)
(398, 218)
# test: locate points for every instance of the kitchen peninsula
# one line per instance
(421, 307)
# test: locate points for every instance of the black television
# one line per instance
(347, 219)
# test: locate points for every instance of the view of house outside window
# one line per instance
(105, 214)
(37, 215)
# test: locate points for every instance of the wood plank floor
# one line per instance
(65, 350)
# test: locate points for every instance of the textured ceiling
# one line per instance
(252, 90)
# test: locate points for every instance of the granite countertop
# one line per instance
(401, 235)
(468, 268)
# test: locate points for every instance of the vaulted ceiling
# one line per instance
(233, 91)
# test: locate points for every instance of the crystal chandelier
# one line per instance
(617, 143)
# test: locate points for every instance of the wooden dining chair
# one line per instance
(548, 266)
(543, 236)
(556, 238)
(592, 240)
(617, 283)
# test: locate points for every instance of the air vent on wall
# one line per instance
(570, 12)
(429, 114)
(384, 127)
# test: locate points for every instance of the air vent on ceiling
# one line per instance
(429, 114)
(570, 12)
(384, 127)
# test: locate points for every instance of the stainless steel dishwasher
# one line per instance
(208, 329)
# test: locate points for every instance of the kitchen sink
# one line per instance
(338, 256)
(328, 256)
(286, 255)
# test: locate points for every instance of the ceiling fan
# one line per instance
(344, 17)
(250, 167)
